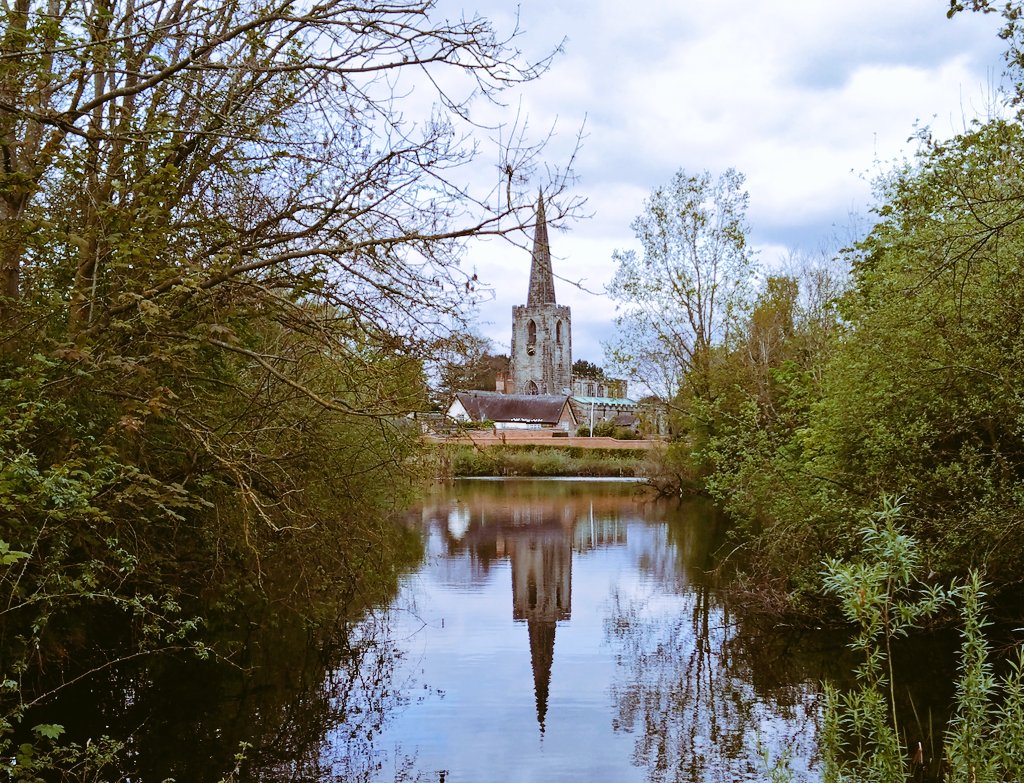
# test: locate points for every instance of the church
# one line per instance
(541, 329)
(539, 391)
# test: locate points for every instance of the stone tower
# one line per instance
(541, 329)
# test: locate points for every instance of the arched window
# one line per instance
(558, 332)
(531, 388)
(531, 338)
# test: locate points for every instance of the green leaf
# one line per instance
(48, 730)
(10, 556)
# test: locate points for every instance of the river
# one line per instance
(554, 630)
(571, 631)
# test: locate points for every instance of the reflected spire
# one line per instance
(541, 595)
(542, 655)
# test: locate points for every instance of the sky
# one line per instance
(809, 99)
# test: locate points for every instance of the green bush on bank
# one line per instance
(907, 380)
(530, 460)
(882, 594)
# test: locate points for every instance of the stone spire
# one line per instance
(542, 281)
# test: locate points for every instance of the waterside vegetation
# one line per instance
(226, 254)
(534, 460)
(226, 258)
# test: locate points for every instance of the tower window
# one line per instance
(558, 332)
(531, 388)
(531, 337)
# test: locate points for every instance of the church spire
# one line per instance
(542, 281)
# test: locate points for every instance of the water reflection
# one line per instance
(541, 596)
(536, 531)
(556, 631)
(687, 690)
(653, 676)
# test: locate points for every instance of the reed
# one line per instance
(882, 593)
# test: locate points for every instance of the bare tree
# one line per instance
(151, 148)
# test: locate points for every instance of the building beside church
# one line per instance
(515, 411)
(541, 361)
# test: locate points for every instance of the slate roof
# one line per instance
(604, 400)
(626, 420)
(527, 408)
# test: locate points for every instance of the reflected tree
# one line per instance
(685, 691)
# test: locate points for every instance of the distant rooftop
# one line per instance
(604, 400)
(528, 408)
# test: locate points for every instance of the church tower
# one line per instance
(541, 329)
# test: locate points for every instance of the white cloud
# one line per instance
(806, 98)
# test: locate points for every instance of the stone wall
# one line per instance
(541, 353)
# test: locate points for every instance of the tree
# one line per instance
(581, 368)
(466, 362)
(229, 240)
(691, 285)
(217, 195)
(918, 392)
(258, 140)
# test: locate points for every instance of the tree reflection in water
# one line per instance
(705, 691)
(686, 690)
(285, 691)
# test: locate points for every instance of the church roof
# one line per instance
(604, 400)
(542, 280)
(526, 408)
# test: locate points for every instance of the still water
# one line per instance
(573, 631)
(552, 631)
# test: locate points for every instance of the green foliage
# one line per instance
(523, 460)
(485, 424)
(691, 286)
(881, 594)
(907, 384)
(221, 275)
(581, 368)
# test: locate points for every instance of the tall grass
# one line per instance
(883, 595)
(524, 460)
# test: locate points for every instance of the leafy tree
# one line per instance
(688, 290)
(581, 368)
(465, 362)
(918, 394)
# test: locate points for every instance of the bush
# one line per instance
(520, 460)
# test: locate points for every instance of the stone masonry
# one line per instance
(541, 329)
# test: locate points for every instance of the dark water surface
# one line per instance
(569, 631)
(554, 631)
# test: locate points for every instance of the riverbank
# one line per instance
(554, 438)
(470, 459)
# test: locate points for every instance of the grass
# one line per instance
(532, 460)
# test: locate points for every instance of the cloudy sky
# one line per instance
(808, 98)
